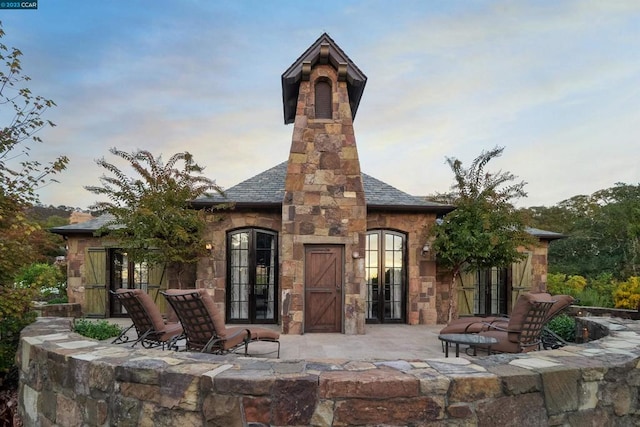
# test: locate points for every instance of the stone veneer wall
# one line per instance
(76, 265)
(212, 270)
(539, 266)
(69, 380)
(324, 201)
(73, 310)
(421, 274)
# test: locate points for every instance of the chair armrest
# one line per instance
(216, 339)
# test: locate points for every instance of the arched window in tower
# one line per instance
(323, 100)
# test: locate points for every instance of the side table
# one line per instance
(472, 340)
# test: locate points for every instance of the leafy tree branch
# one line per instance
(485, 230)
(152, 215)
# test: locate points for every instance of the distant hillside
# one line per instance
(41, 213)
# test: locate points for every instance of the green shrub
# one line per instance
(98, 330)
(48, 279)
(593, 292)
(15, 313)
(593, 298)
(564, 326)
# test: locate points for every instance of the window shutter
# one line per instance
(521, 277)
(95, 288)
(323, 100)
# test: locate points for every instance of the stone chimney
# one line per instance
(78, 217)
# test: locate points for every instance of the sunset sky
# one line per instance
(557, 83)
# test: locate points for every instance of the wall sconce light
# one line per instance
(425, 249)
(209, 247)
(355, 254)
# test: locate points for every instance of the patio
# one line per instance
(381, 342)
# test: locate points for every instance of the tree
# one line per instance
(20, 176)
(20, 179)
(485, 230)
(152, 216)
(603, 232)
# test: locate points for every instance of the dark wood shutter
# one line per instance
(323, 100)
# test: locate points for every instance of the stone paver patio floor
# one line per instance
(380, 342)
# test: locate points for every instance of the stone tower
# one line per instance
(323, 211)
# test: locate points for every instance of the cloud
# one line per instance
(555, 83)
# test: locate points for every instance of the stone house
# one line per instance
(312, 244)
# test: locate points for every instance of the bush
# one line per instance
(98, 330)
(627, 295)
(593, 298)
(48, 279)
(562, 284)
(564, 326)
(15, 313)
(593, 292)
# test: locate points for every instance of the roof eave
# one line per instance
(291, 78)
(237, 205)
(444, 209)
(550, 237)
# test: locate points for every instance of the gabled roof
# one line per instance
(267, 190)
(87, 227)
(291, 78)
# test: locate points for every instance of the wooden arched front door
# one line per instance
(323, 288)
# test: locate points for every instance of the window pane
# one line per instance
(239, 276)
(385, 277)
(252, 275)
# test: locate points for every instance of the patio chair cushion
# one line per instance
(223, 331)
(216, 315)
(471, 324)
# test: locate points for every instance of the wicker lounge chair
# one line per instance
(204, 325)
(147, 320)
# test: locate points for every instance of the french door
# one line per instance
(385, 269)
(253, 271)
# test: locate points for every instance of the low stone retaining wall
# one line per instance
(69, 380)
(59, 310)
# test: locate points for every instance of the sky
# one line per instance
(556, 83)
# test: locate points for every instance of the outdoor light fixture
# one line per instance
(208, 246)
(425, 249)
